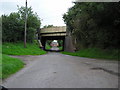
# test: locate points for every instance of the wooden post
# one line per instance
(25, 25)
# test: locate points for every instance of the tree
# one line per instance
(13, 25)
(94, 24)
(48, 26)
(33, 21)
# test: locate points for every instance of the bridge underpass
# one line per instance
(56, 33)
(45, 39)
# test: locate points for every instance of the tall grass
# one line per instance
(18, 49)
(10, 65)
(96, 53)
(0, 65)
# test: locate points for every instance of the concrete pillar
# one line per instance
(69, 47)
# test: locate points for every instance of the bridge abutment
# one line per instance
(69, 47)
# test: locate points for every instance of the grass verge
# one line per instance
(96, 53)
(0, 66)
(18, 49)
(10, 65)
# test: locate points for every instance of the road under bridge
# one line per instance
(56, 33)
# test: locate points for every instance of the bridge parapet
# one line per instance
(53, 31)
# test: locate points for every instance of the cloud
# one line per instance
(50, 11)
(7, 7)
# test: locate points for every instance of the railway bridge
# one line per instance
(56, 33)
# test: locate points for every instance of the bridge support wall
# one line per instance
(69, 47)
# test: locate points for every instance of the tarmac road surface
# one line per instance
(55, 70)
(54, 48)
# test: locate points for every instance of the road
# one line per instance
(54, 48)
(55, 70)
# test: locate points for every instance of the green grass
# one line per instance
(18, 49)
(10, 65)
(0, 60)
(96, 53)
(0, 65)
(47, 46)
(60, 48)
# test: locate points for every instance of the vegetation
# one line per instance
(60, 47)
(10, 65)
(18, 49)
(13, 25)
(60, 42)
(48, 26)
(94, 28)
(47, 46)
(94, 24)
(96, 53)
(0, 65)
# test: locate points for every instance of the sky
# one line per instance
(50, 11)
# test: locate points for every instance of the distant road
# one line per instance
(55, 70)
(54, 48)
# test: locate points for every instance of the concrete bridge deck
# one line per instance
(53, 31)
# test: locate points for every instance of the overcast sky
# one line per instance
(50, 11)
